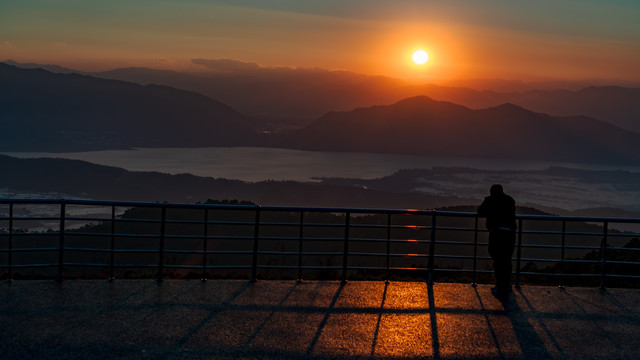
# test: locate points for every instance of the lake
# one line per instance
(258, 164)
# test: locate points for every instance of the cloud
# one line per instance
(227, 65)
(60, 45)
(7, 45)
(170, 63)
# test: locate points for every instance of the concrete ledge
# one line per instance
(232, 319)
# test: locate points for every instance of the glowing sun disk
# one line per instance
(420, 57)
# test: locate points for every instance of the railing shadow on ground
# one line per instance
(529, 342)
(314, 320)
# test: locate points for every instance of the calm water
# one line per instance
(256, 164)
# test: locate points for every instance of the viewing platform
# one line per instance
(286, 319)
(308, 283)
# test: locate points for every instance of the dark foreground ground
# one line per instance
(223, 319)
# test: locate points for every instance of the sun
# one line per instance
(420, 57)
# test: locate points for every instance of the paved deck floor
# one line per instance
(235, 319)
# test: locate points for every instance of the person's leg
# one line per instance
(503, 272)
(501, 246)
(507, 245)
(494, 253)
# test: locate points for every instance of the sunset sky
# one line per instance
(509, 39)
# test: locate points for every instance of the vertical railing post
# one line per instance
(519, 253)
(61, 240)
(345, 254)
(432, 248)
(388, 245)
(10, 277)
(163, 220)
(205, 240)
(562, 251)
(256, 237)
(112, 244)
(475, 251)
(300, 237)
(603, 251)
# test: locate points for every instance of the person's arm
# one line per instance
(483, 208)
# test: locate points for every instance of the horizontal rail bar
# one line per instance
(306, 209)
(19, 266)
(29, 249)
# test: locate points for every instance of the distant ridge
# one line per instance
(49, 67)
(306, 94)
(309, 93)
(421, 125)
(43, 111)
(411, 188)
(88, 180)
(617, 105)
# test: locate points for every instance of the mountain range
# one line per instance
(310, 93)
(80, 179)
(416, 188)
(44, 111)
(306, 94)
(421, 125)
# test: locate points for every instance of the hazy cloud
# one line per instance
(60, 44)
(227, 65)
(7, 45)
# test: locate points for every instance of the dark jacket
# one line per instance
(500, 211)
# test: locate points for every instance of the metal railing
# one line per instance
(296, 242)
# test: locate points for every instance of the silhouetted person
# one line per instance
(500, 211)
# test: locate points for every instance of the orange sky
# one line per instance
(545, 39)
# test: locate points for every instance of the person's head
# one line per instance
(496, 189)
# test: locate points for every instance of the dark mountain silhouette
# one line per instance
(617, 105)
(49, 67)
(309, 93)
(518, 86)
(83, 179)
(302, 94)
(43, 111)
(306, 94)
(74, 178)
(421, 125)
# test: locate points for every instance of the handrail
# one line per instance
(432, 235)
